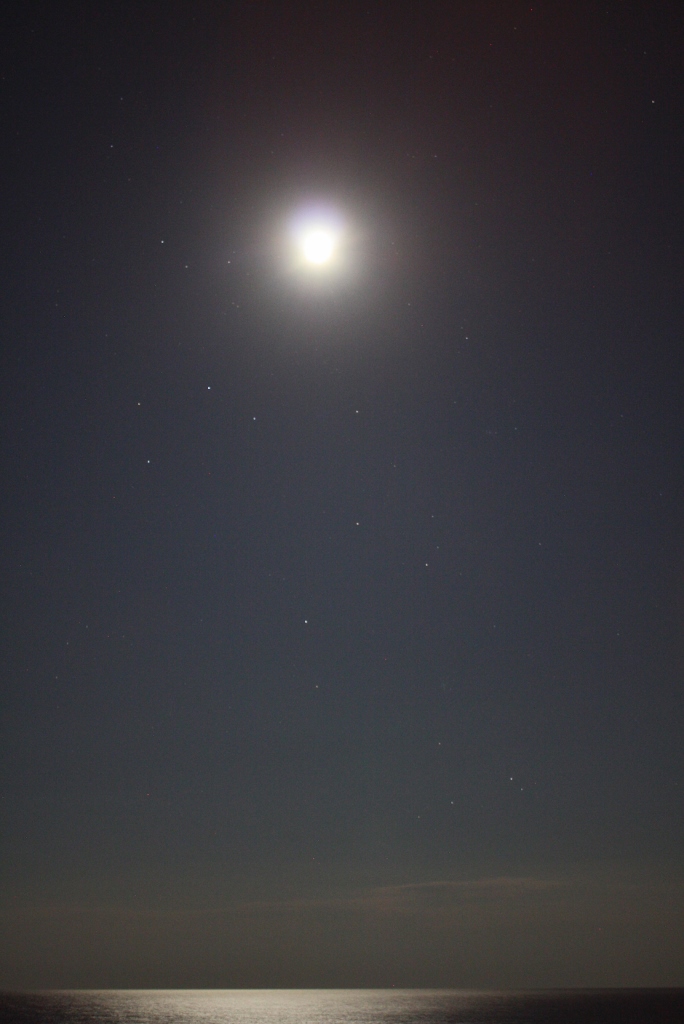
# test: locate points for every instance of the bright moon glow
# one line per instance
(318, 237)
(318, 245)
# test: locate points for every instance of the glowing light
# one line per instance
(318, 238)
(318, 245)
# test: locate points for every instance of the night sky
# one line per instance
(341, 606)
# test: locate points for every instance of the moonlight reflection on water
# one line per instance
(329, 1006)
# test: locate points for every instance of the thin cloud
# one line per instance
(415, 895)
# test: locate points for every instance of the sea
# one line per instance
(329, 1006)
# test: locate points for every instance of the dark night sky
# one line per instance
(342, 618)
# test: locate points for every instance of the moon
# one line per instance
(318, 239)
(318, 245)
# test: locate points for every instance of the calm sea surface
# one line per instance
(324, 1006)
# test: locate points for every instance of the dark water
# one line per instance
(324, 1006)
